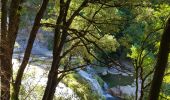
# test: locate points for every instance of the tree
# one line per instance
(17, 82)
(5, 76)
(85, 38)
(79, 31)
(8, 36)
(145, 44)
(161, 63)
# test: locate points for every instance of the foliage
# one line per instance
(108, 43)
(99, 31)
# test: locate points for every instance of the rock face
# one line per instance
(104, 72)
(115, 92)
(128, 90)
(113, 70)
(119, 90)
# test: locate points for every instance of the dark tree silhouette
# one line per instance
(161, 63)
(17, 83)
(8, 37)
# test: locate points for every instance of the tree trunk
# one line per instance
(137, 86)
(51, 85)
(8, 40)
(5, 62)
(142, 91)
(53, 79)
(59, 40)
(161, 63)
(13, 26)
(30, 43)
(142, 83)
(52, 76)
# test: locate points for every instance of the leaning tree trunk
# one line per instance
(161, 63)
(31, 40)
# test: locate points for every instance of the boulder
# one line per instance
(104, 73)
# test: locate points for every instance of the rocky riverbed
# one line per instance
(116, 82)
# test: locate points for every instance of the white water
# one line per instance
(36, 76)
(39, 76)
(95, 85)
(92, 81)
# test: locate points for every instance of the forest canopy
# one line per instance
(88, 46)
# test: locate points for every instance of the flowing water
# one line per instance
(95, 84)
(40, 78)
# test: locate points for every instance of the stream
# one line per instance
(38, 73)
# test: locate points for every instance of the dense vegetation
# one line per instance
(81, 33)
